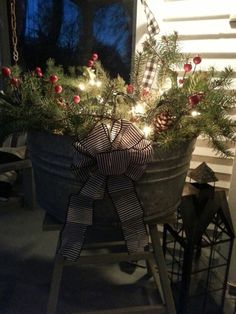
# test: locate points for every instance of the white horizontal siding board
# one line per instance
(208, 36)
(198, 8)
(220, 183)
(210, 45)
(221, 177)
(207, 151)
(202, 141)
(219, 64)
(198, 27)
(196, 18)
(233, 117)
(181, 73)
(215, 167)
(213, 161)
(233, 84)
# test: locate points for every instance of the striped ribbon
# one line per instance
(153, 30)
(107, 160)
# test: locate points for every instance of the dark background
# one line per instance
(69, 31)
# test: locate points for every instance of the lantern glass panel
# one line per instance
(198, 259)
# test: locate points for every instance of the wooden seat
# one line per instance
(14, 158)
(154, 258)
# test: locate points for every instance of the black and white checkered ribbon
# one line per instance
(108, 160)
(153, 30)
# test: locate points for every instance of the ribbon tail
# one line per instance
(79, 217)
(130, 213)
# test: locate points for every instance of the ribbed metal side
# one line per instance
(161, 186)
(51, 157)
(159, 189)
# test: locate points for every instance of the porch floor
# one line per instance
(26, 266)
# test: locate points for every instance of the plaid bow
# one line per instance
(152, 25)
(153, 31)
(107, 161)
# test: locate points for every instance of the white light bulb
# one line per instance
(92, 82)
(81, 86)
(147, 130)
(195, 113)
(98, 83)
(100, 99)
(139, 108)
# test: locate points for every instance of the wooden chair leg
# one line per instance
(160, 260)
(154, 271)
(55, 284)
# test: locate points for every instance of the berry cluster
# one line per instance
(53, 79)
(93, 59)
(194, 99)
(14, 81)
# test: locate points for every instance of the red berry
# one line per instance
(181, 81)
(76, 99)
(53, 78)
(58, 89)
(145, 92)
(6, 71)
(37, 70)
(197, 59)
(193, 100)
(130, 89)
(14, 81)
(90, 63)
(187, 67)
(39, 74)
(94, 56)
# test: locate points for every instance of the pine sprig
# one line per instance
(139, 69)
(200, 105)
(212, 89)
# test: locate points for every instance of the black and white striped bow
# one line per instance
(108, 160)
(153, 30)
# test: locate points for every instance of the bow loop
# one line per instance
(127, 137)
(97, 141)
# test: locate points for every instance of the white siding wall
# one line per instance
(203, 27)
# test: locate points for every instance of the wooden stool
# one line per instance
(154, 258)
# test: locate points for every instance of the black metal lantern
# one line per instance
(198, 249)
(203, 182)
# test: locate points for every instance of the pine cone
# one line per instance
(162, 122)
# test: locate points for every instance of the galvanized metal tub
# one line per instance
(159, 189)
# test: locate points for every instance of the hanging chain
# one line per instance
(15, 53)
